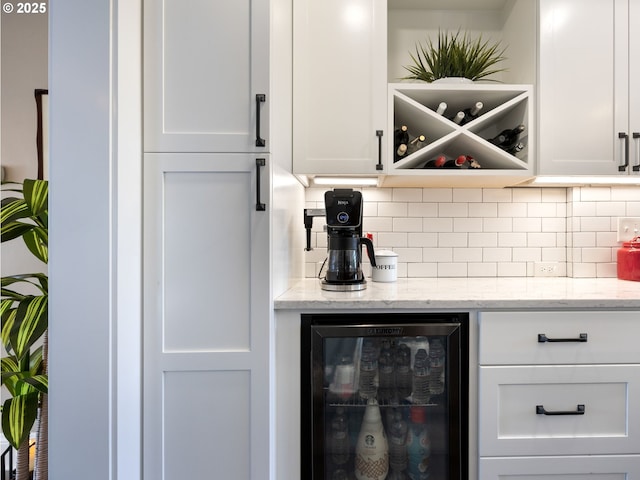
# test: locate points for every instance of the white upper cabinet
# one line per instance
(206, 75)
(589, 100)
(339, 86)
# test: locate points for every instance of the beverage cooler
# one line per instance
(384, 396)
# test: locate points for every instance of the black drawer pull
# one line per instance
(625, 137)
(542, 338)
(260, 98)
(379, 134)
(260, 207)
(541, 411)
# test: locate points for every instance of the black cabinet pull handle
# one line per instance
(636, 166)
(379, 134)
(260, 207)
(540, 410)
(623, 135)
(542, 338)
(260, 98)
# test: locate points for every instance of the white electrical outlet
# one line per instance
(628, 228)
(548, 269)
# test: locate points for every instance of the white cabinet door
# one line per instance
(634, 85)
(204, 64)
(339, 86)
(583, 86)
(559, 410)
(559, 337)
(593, 467)
(206, 317)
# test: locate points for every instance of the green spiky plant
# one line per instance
(25, 323)
(455, 56)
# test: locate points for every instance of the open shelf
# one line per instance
(505, 107)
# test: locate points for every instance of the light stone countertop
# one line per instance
(468, 294)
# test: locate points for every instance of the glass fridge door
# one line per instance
(385, 400)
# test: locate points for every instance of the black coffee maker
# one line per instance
(343, 210)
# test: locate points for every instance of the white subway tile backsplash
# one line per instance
(423, 210)
(594, 224)
(470, 254)
(498, 224)
(377, 224)
(596, 255)
(595, 194)
(625, 194)
(584, 239)
(584, 209)
(452, 239)
(526, 254)
(453, 210)
(452, 270)
(512, 269)
(407, 224)
(467, 195)
(541, 209)
(438, 255)
(610, 209)
(633, 209)
(422, 269)
(555, 195)
(554, 224)
(390, 209)
(482, 269)
(438, 195)
(512, 210)
(527, 224)
(422, 239)
(437, 225)
(497, 254)
(541, 239)
(553, 254)
(413, 255)
(527, 195)
(506, 239)
(584, 270)
(498, 195)
(407, 195)
(483, 239)
(607, 270)
(606, 239)
(392, 239)
(483, 209)
(467, 224)
(449, 232)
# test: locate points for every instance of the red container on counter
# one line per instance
(629, 260)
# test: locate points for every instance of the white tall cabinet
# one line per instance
(589, 103)
(207, 212)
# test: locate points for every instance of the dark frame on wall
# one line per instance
(42, 132)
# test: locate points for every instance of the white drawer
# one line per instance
(512, 338)
(561, 468)
(509, 423)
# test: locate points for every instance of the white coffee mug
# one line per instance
(386, 269)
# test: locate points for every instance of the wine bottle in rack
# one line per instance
(400, 142)
(416, 144)
(442, 107)
(457, 119)
(457, 162)
(518, 147)
(437, 162)
(508, 139)
(471, 113)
